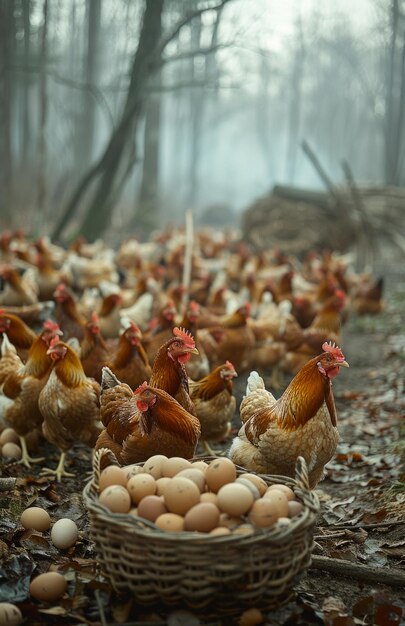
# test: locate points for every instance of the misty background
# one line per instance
(118, 116)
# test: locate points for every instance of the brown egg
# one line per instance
(35, 517)
(220, 530)
(10, 450)
(134, 512)
(161, 484)
(202, 517)
(48, 587)
(173, 465)
(286, 490)
(170, 522)
(263, 513)
(295, 508)
(8, 435)
(196, 475)
(250, 485)
(154, 465)
(150, 507)
(259, 483)
(201, 465)
(280, 500)
(112, 475)
(209, 496)
(116, 498)
(140, 486)
(180, 495)
(220, 472)
(251, 617)
(234, 499)
(10, 615)
(243, 529)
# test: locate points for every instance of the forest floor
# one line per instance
(361, 522)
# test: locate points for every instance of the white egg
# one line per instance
(10, 615)
(64, 533)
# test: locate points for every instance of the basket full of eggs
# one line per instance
(201, 532)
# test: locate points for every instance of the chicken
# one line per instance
(143, 423)
(238, 338)
(69, 403)
(23, 385)
(48, 277)
(367, 297)
(94, 351)
(10, 361)
(67, 314)
(326, 326)
(169, 371)
(19, 334)
(130, 363)
(302, 422)
(110, 315)
(19, 290)
(214, 403)
(161, 330)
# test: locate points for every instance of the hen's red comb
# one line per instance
(141, 388)
(170, 304)
(340, 294)
(229, 365)
(334, 350)
(50, 325)
(134, 327)
(185, 335)
(194, 306)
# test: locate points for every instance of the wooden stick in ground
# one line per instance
(366, 573)
(188, 255)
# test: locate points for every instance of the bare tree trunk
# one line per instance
(26, 128)
(196, 113)
(147, 211)
(89, 108)
(295, 103)
(7, 40)
(41, 198)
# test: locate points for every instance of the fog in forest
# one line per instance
(118, 116)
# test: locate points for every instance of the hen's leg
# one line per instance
(60, 470)
(25, 457)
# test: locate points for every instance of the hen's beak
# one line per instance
(193, 351)
(343, 364)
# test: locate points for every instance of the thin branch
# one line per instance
(192, 53)
(340, 567)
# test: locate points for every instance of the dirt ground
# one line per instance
(361, 522)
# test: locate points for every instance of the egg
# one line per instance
(150, 507)
(112, 475)
(283, 522)
(180, 495)
(263, 513)
(201, 465)
(170, 522)
(209, 496)
(10, 450)
(132, 470)
(294, 508)
(220, 530)
(251, 486)
(154, 465)
(161, 484)
(48, 587)
(235, 499)
(173, 465)
(220, 472)
(243, 529)
(196, 475)
(251, 617)
(290, 495)
(140, 486)
(259, 483)
(116, 498)
(8, 435)
(64, 533)
(280, 500)
(10, 615)
(35, 517)
(202, 517)
(229, 521)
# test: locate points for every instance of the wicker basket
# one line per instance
(197, 570)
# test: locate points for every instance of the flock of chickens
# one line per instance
(121, 349)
